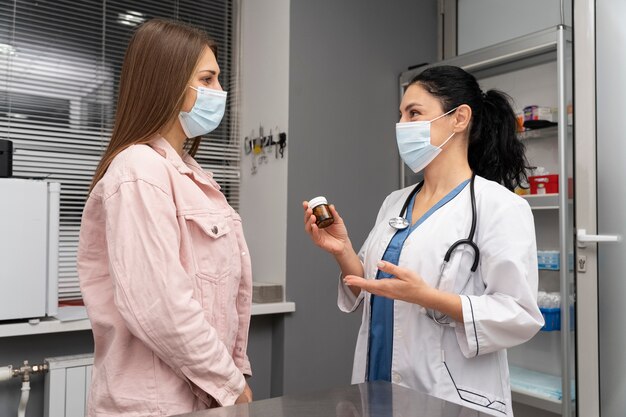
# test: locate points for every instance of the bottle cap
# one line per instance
(317, 201)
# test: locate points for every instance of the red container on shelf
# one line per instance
(544, 184)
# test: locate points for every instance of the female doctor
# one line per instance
(459, 248)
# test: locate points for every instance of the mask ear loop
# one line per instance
(446, 141)
(445, 114)
(453, 133)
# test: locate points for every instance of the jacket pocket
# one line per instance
(213, 244)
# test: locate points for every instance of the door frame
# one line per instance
(585, 168)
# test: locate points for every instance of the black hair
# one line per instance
(494, 152)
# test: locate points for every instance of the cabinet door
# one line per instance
(547, 360)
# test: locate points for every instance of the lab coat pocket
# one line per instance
(213, 245)
(477, 381)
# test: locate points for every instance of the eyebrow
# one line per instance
(211, 71)
(413, 104)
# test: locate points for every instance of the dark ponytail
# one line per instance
(494, 152)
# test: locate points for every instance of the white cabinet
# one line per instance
(29, 235)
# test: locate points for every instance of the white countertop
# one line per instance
(54, 325)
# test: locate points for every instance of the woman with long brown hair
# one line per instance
(163, 264)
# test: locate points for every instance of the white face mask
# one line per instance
(206, 114)
(414, 144)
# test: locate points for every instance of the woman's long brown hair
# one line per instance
(158, 65)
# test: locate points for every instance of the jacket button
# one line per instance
(215, 230)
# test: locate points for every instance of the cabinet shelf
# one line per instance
(536, 389)
(535, 134)
(551, 132)
(535, 400)
(544, 201)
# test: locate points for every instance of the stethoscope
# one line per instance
(401, 223)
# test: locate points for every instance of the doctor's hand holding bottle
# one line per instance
(335, 240)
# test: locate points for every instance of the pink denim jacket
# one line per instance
(165, 274)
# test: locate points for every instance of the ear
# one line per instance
(462, 117)
(189, 99)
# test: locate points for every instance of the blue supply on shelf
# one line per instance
(552, 316)
(549, 260)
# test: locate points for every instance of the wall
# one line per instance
(264, 92)
(486, 22)
(345, 58)
(264, 75)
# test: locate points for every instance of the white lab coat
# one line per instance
(467, 363)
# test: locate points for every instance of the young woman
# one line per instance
(460, 248)
(163, 264)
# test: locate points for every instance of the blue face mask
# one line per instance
(414, 145)
(206, 114)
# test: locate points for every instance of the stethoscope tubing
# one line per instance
(467, 241)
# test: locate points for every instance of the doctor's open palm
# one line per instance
(334, 238)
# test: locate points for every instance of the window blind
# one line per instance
(60, 62)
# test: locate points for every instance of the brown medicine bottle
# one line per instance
(321, 211)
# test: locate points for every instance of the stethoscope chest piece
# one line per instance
(399, 223)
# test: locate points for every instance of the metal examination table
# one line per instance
(372, 399)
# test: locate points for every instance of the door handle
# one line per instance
(583, 238)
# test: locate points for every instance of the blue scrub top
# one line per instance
(381, 323)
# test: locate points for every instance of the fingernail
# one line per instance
(381, 264)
